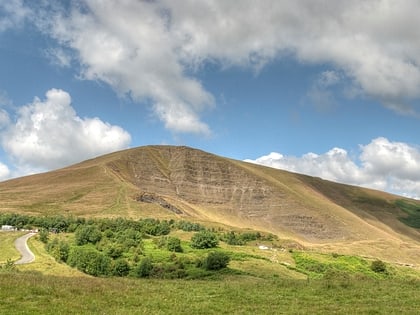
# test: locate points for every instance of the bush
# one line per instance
(378, 266)
(173, 244)
(58, 249)
(114, 250)
(204, 239)
(44, 235)
(121, 268)
(189, 226)
(216, 261)
(144, 268)
(90, 261)
(87, 234)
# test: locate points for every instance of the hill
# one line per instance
(181, 182)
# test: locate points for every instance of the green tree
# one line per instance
(44, 235)
(87, 234)
(121, 268)
(58, 249)
(90, 261)
(216, 261)
(144, 268)
(173, 244)
(204, 239)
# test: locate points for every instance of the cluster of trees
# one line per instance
(115, 246)
(69, 224)
(236, 238)
(57, 223)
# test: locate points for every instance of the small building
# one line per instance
(8, 228)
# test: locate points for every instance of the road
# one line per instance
(22, 246)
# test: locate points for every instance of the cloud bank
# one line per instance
(153, 50)
(381, 164)
(48, 134)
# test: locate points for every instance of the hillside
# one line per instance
(181, 182)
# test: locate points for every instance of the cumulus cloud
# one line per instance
(127, 44)
(373, 43)
(381, 164)
(49, 134)
(151, 50)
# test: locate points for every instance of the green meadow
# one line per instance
(272, 281)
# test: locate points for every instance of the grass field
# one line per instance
(8, 250)
(33, 293)
(256, 282)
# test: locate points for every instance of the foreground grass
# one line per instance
(33, 293)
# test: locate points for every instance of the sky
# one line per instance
(325, 88)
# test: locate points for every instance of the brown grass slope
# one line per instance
(181, 182)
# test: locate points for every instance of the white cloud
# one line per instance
(4, 119)
(4, 172)
(48, 134)
(12, 14)
(127, 45)
(151, 49)
(58, 56)
(384, 165)
(395, 159)
(372, 42)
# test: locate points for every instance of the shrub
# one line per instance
(114, 250)
(232, 238)
(58, 249)
(173, 244)
(204, 239)
(43, 235)
(144, 268)
(121, 268)
(378, 266)
(87, 234)
(189, 226)
(90, 261)
(216, 261)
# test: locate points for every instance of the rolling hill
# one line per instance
(181, 182)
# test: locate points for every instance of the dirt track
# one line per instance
(22, 246)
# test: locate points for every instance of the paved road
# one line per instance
(22, 246)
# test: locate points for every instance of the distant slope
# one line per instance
(181, 182)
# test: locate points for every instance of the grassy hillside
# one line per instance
(179, 182)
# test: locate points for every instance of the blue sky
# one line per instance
(326, 88)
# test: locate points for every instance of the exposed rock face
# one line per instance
(198, 177)
(217, 183)
(152, 198)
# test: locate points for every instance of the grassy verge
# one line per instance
(8, 250)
